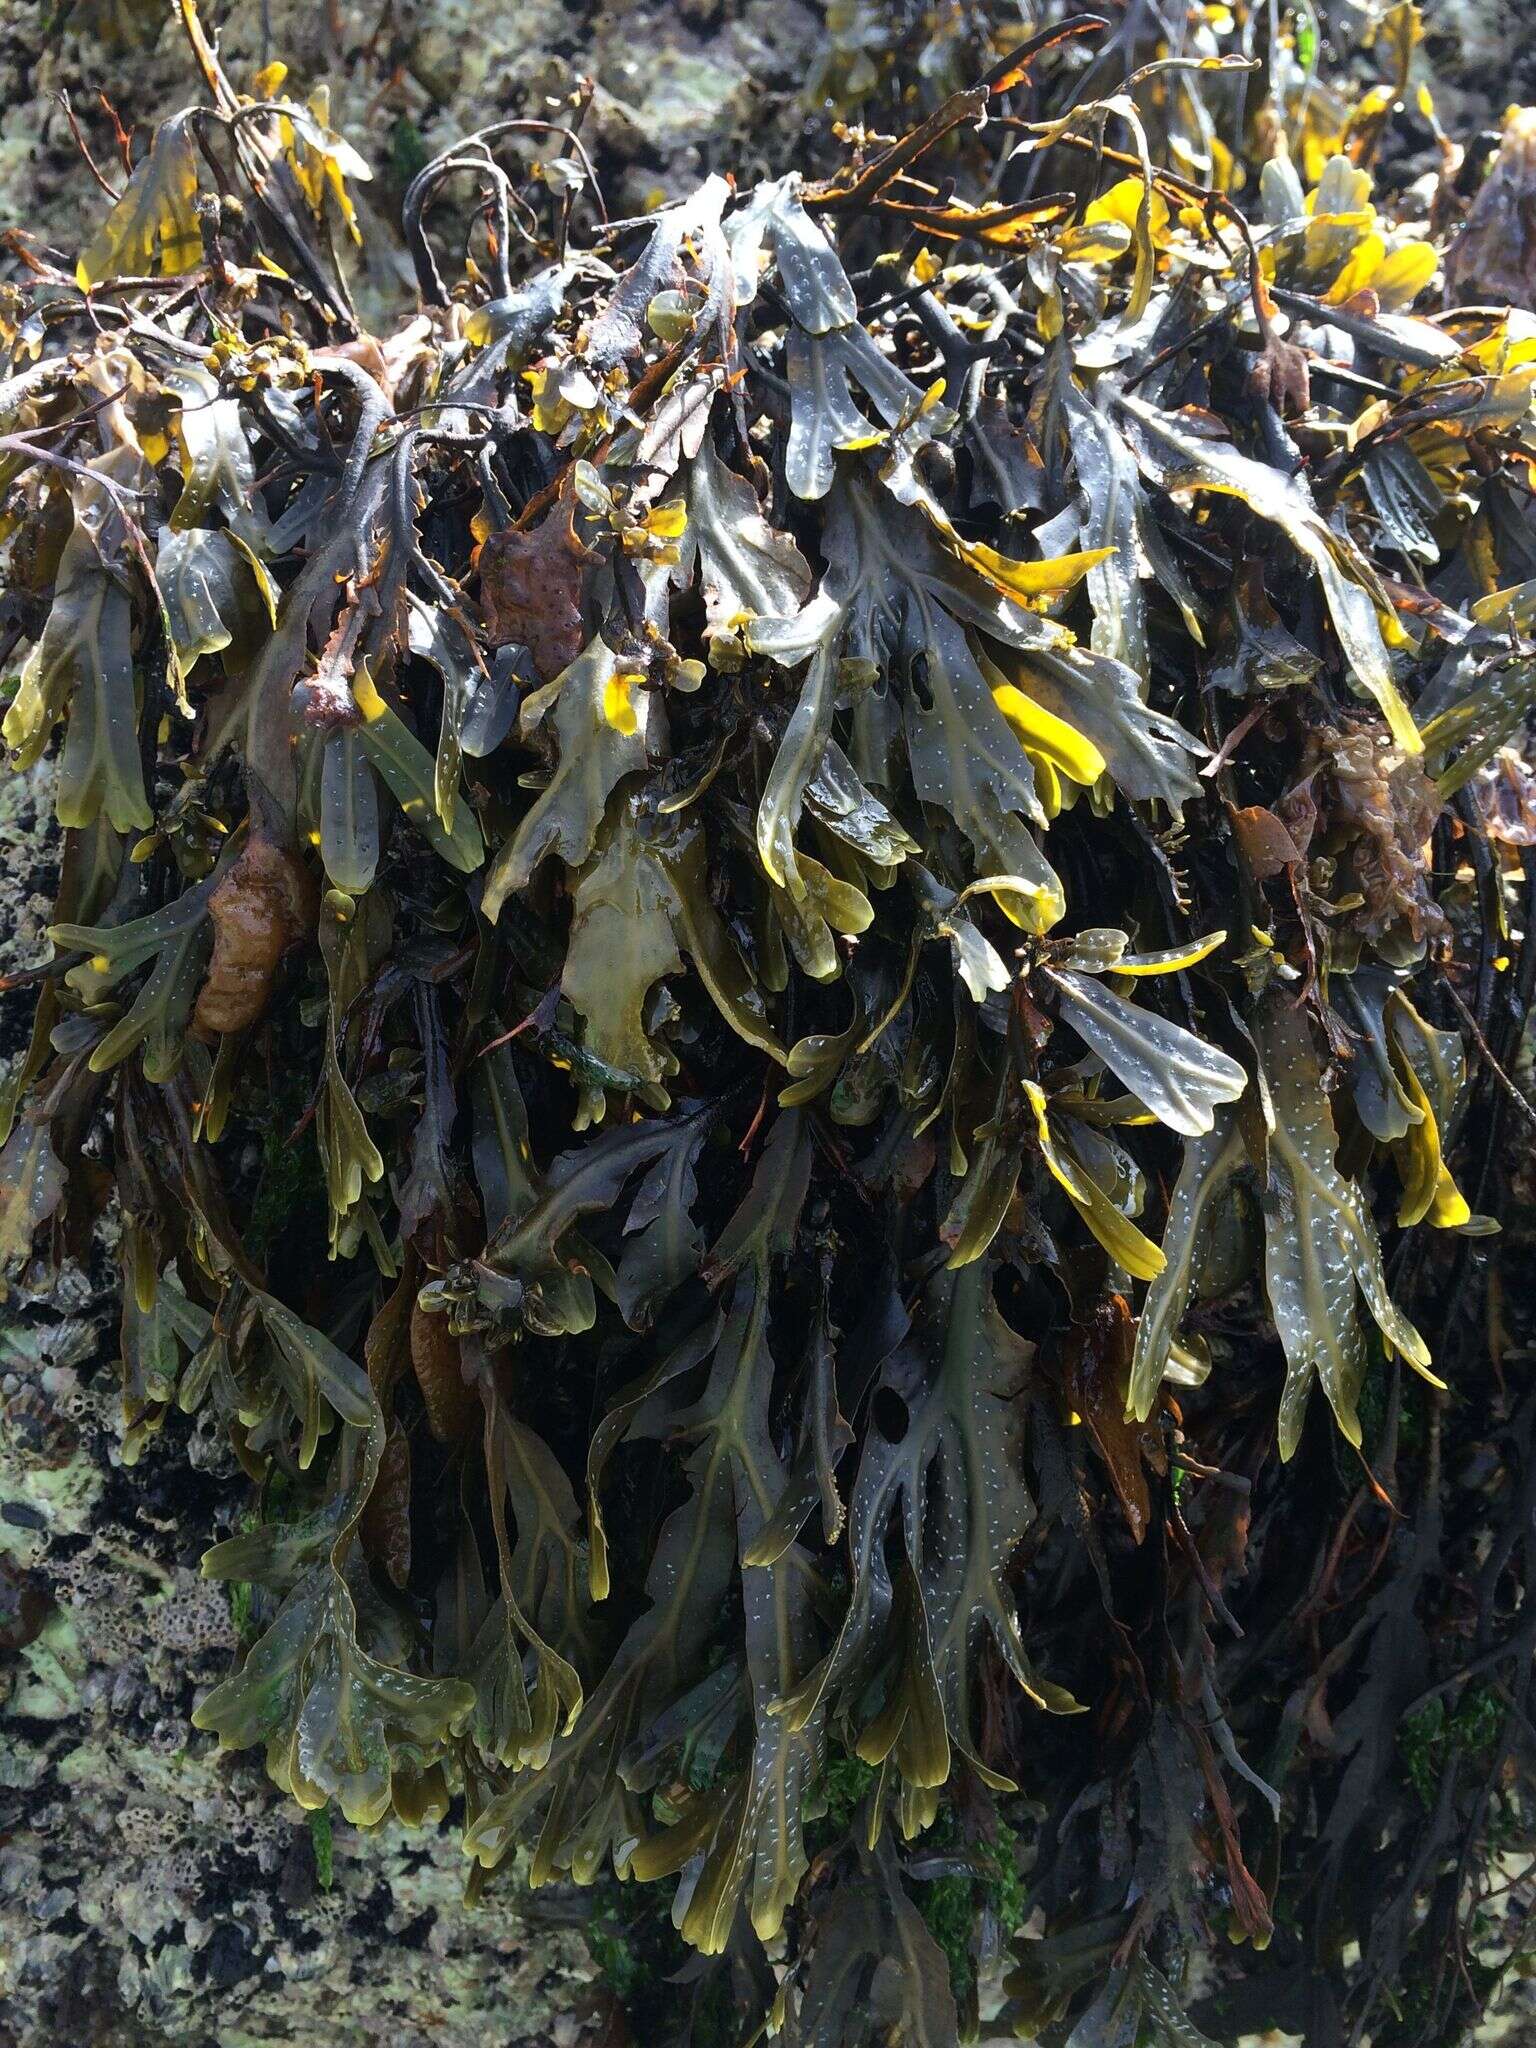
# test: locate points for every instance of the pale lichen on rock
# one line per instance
(152, 1890)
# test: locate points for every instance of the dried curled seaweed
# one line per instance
(772, 923)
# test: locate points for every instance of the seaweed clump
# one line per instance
(776, 921)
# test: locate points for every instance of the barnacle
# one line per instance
(859, 868)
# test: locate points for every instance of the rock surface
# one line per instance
(153, 1891)
(681, 85)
